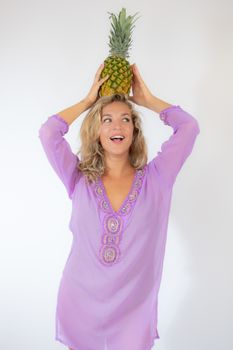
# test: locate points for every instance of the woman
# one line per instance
(108, 294)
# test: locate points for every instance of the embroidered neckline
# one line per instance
(130, 199)
(113, 222)
(119, 211)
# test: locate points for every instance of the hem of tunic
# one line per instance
(57, 338)
(70, 346)
(152, 341)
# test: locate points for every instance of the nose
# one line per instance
(116, 124)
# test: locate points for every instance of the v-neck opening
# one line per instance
(117, 212)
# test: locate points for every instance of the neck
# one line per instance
(117, 167)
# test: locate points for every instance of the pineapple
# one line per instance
(116, 64)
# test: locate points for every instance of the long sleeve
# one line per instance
(58, 151)
(178, 147)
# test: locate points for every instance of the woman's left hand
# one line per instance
(141, 93)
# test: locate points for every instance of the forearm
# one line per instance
(157, 105)
(71, 113)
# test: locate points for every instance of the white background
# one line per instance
(50, 51)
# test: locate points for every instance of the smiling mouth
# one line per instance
(117, 139)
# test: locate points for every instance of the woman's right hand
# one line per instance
(92, 95)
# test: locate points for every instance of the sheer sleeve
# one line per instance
(178, 147)
(58, 151)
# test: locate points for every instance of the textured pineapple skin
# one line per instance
(120, 76)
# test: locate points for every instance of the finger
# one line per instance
(97, 75)
(101, 66)
(136, 70)
(103, 79)
(133, 68)
(136, 78)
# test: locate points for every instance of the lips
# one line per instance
(117, 139)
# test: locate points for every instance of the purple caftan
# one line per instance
(108, 293)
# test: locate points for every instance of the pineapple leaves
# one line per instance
(121, 32)
(122, 17)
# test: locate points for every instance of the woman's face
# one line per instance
(116, 120)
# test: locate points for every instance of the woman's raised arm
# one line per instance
(178, 147)
(51, 134)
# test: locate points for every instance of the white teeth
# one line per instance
(117, 137)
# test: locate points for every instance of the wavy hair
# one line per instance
(92, 160)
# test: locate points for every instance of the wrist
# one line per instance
(157, 105)
(85, 104)
(150, 102)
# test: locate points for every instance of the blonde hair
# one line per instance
(92, 160)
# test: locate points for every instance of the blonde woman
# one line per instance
(108, 294)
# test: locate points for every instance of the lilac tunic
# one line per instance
(108, 294)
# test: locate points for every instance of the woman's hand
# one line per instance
(141, 94)
(92, 95)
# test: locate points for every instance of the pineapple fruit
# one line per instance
(116, 64)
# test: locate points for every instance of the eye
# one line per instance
(106, 119)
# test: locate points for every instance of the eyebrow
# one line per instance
(111, 115)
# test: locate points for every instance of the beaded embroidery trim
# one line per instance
(57, 116)
(113, 221)
(163, 114)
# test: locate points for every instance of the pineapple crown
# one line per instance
(120, 35)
